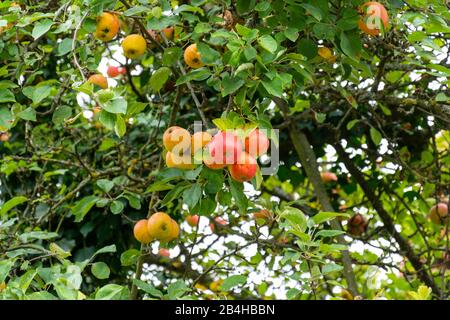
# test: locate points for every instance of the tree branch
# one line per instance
(309, 163)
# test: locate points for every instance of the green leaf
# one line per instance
(274, 87)
(6, 118)
(295, 217)
(237, 191)
(37, 235)
(268, 43)
(423, 293)
(41, 28)
(120, 127)
(439, 68)
(331, 267)
(231, 85)
(292, 293)
(208, 54)
(329, 233)
(244, 67)
(105, 95)
(173, 194)
(129, 257)
(64, 47)
(177, 289)
(135, 11)
(442, 97)
(351, 45)
(148, 288)
(171, 55)
(352, 123)
(8, 205)
(61, 114)
(314, 11)
(105, 184)
(26, 279)
(41, 295)
(308, 48)
(27, 114)
(192, 195)
(322, 217)
(245, 6)
(83, 206)
(232, 282)
(159, 78)
(116, 105)
(100, 270)
(250, 53)
(6, 96)
(107, 249)
(40, 93)
(107, 119)
(117, 207)
(113, 292)
(291, 34)
(195, 75)
(375, 135)
(5, 267)
(136, 107)
(207, 206)
(214, 180)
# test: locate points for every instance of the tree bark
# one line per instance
(309, 163)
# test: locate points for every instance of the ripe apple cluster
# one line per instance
(224, 149)
(160, 226)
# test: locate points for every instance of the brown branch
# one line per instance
(405, 247)
(309, 163)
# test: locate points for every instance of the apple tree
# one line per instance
(348, 100)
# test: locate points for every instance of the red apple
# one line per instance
(244, 169)
(256, 143)
(328, 177)
(192, 220)
(113, 71)
(356, 225)
(210, 163)
(163, 252)
(218, 221)
(225, 148)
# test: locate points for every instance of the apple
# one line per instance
(256, 143)
(245, 168)
(328, 177)
(4, 136)
(199, 140)
(183, 162)
(438, 213)
(177, 140)
(374, 18)
(225, 148)
(113, 71)
(211, 163)
(163, 252)
(193, 220)
(356, 225)
(161, 227)
(219, 221)
(141, 233)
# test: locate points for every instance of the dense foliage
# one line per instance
(82, 163)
